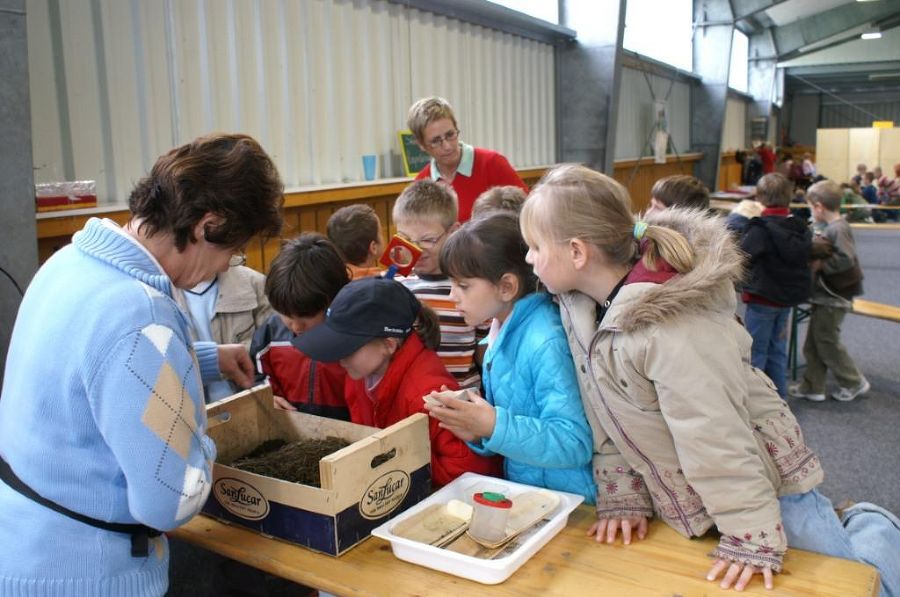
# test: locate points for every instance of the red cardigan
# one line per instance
(490, 169)
(414, 372)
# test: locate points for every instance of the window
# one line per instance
(661, 30)
(547, 10)
(740, 52)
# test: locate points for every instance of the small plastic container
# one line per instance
(489, 515)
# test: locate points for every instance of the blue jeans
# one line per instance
(865, 533)
(769, 328)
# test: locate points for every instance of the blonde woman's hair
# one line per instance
(572, 201)
(424, 112)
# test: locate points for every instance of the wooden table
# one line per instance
(571, 564)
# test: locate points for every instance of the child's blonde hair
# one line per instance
(575, 202)
(508, 198)
(426, 200)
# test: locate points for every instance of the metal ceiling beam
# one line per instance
(790, 38)
(744, 9)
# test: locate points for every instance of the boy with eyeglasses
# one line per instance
(470, 171)
(426, 214)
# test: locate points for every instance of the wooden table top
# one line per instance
(571, 564)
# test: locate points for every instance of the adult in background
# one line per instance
(469, 170)
(102, 421)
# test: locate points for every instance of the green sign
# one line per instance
(414, 157)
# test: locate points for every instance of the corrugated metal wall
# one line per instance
(636, 112)
(734, 133)
(834, 113)
(115, 83)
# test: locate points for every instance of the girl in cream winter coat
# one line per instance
(684, 427)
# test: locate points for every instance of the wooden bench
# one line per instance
(665, 563)
(877, 310)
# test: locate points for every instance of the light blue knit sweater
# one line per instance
(102, 411)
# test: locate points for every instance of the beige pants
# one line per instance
(823, 351)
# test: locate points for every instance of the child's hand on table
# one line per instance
(606, 529)
(737, 571)
(469, 420)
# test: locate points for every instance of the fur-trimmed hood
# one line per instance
(718, 264)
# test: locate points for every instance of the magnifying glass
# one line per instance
(400, 256)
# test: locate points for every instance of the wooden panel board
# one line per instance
(890, 150)
(863, 149)
(832, 158)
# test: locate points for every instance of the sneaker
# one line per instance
(848, 394)
(794, 392)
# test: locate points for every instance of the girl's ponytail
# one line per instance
(669, 245)
(428, 326)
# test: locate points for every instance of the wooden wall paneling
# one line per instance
(890, 151)
(832, 154)
(309, 209)
(729, 172)
(864, 148)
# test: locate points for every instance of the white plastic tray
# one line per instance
(477, 569)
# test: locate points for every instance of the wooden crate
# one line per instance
(354, 496)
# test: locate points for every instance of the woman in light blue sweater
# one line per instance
(531, 413)
(102, 416)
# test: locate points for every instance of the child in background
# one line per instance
(303, 279)
(356, 232)
(684, 426)
(508, 198)
(425, 214)
(777, 245)
(741, 214)
(226, 309)
(531, 413)
(823, 349)
(369, 330)
(678, 190)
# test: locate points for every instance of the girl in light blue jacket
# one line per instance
(531, 412)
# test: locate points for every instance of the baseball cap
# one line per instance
(363, 310)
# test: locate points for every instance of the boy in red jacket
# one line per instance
(304, 277)
(368, 329)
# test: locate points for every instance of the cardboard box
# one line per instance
(354, 497)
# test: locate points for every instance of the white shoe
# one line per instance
(794, 392)
(848, 394)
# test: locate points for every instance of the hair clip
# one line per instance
(640, 227)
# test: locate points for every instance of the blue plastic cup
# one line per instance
(369, 166)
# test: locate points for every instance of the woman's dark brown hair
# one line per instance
(488, 247)
(228, 175)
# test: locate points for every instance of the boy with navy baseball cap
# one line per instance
(368, 328)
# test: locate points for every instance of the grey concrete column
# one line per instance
(713, 28)
(588, 75)
(763, 75)
(18, 257)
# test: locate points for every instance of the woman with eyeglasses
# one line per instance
(103, 439)
(469, 170)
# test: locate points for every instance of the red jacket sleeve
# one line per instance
(450, 456)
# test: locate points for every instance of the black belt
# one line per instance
(140, 534)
